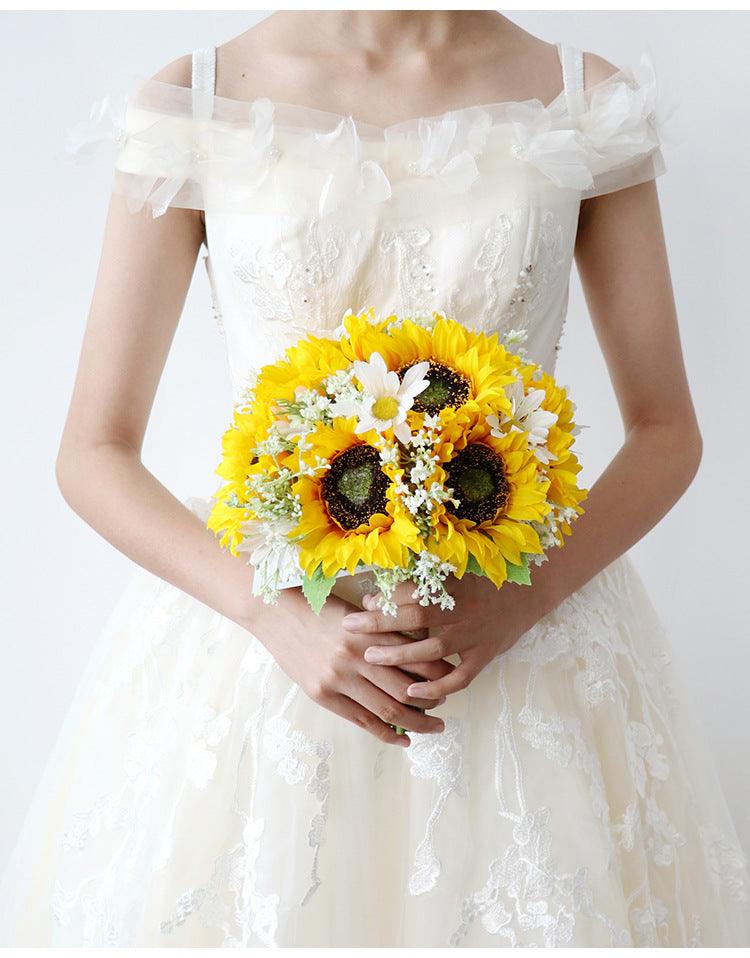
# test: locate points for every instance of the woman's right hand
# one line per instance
(328, 664)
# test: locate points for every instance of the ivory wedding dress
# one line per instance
(196, 795)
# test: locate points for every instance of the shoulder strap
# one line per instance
(204, 82)
(571, 59)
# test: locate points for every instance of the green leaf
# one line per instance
(473, 566)
(317, 588)
(519, 573)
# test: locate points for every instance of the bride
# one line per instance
(229, 773)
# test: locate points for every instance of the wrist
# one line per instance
(547, 586)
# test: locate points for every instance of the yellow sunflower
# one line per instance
(350, 512)
(564, 466)
(305, 364)
(500, 490)
(467, 372)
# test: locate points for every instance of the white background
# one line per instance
(59, 579)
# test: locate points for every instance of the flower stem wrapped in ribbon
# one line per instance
(410, 447)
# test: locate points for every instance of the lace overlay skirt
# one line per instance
(197, 797)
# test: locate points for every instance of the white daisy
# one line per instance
(527, 415)
(385, 399)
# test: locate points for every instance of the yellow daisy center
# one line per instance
(477, 477)
(448, 387)
(354, 488)
(385, 407)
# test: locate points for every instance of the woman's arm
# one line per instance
(144, 273)
(622, 262)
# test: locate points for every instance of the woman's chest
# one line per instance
(500, 264)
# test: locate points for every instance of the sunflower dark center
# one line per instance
(354, 488)
(448, 387)
(477, 478)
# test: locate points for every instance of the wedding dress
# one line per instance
(196, 795)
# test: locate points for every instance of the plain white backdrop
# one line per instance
(59, 579)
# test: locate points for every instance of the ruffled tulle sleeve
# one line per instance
(615, 141)
(170, 151)
(178, 147)
(623, 128)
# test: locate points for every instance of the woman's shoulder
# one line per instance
(177, 73)
(596, 69)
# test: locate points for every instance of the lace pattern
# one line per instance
(489, 854)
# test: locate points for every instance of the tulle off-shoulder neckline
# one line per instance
(325, 119)
(178, 145)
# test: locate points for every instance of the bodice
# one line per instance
(308, 214)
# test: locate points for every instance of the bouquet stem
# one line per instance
(402, 731)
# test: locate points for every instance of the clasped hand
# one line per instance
(484, 623)
(360, 665)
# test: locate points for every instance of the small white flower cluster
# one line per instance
(304, 413)
(424, 320)
(419, 496)
(549, 531)
(386, 581)
(514, 341)
(273, 499)
(340, 386)
(428, 573)
(273, 444)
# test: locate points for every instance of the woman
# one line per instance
(227, 775)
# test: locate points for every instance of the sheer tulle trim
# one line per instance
(277, 157)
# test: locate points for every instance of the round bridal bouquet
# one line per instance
(412, 448)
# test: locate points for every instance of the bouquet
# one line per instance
(412, 448)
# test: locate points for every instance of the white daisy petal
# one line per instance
(418, 371)
(402, 432)
(371, 374)
(391, 384)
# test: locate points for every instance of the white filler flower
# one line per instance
(386, 399)
(528, 416)
(274, 558)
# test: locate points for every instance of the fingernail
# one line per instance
(373, 655)
(441, 727)
(355, 620)
(368, 600)
(416, 689)
(442, 699)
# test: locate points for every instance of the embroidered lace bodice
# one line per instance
(308, 214)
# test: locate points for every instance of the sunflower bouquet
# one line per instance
(411, 448)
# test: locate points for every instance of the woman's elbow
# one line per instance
(67, 474)
(693, 453)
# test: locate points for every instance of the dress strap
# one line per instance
(571, 59)
(204, 82)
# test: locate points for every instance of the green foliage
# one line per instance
(317, 588)
(473, 566)
(519, 574)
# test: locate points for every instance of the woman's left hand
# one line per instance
(484, 622)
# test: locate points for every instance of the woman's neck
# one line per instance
(392, 33)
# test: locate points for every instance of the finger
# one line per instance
(361, 717)
(427, 650)
(361, 640)
(429, 670)
(394, 682)
(460, 678)
(408, 618)
(392, 711)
